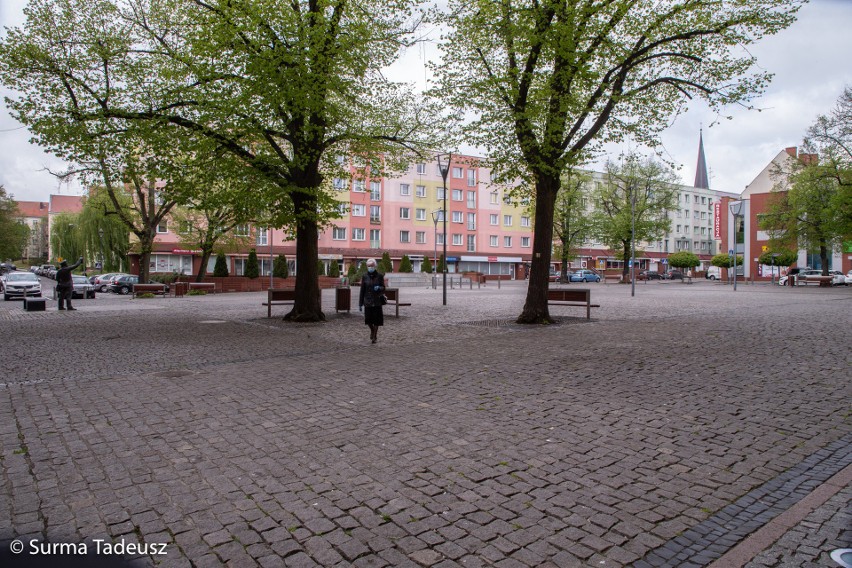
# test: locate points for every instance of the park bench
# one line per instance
(209, 287)
(392, 294)
(282, 297)
(572, 297)
(152, 288)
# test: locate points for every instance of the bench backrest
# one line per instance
(282, 294)
(392, 294)
(572, 295)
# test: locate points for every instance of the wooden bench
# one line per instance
(153, 288)
(209, 287)
(392, 295)
(282, 297)
(572, 297)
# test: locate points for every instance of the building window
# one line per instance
(404, 189)
(471, 199)
(457, 239)
(471, 178)
(493, 197)
(420, 214)
(339, 184)
(507, 220)
(493, 241)
(338, 233)
(439, 238)
(341, 208)
(525, 242)
(457, 195)
(420, 237)
(457, 216)
(420, 191)
(261, 236)
(241, 230)
(471, 221)
(375, 191)
(404, 237)
(507, 198)
(471, 243)
(357, 234)
(458, 173)
(421, 168)
(404, 213)
(163, 227)
(440, 215)
(525, 221)
(495, 219)
(375, 238)
(375, 213)
(359, 210)
(359, 186)
(507, 242)
(439, 193)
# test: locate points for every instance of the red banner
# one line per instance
(717, 220)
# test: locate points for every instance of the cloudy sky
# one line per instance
(809, 60)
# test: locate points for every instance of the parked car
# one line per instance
(584, 275)
(805, 277)
(20, 284)
(82, 287)
(7, 267)
(674, 275)
(713, 273)
(104, 281)
(837, 278)
(649, 275)
(849, 278)
(124, 284)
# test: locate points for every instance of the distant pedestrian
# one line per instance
(65, 283)
(370, 301)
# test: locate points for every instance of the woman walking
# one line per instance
(370, 302)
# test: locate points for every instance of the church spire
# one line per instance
(701, 179)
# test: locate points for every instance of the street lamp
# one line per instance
(101, 237)
(736, 208)
(445, 170)
(633, 242)
(774, 256)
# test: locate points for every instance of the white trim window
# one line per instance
(375, 238)
(471, 178)
(420, 214)
(525, 242)
(420, 191)
(493, 241)
(507, 242)
(404, 189)
(439, 238)
(375, 191)
(471, 243)
(494, 219)
(471, 221)
(457, 217)
(375, 213)
(338, 233)
(405, 213)
(357, 234)
(471, 199)
(241, 230)
(525, 221)
(494, 197)
(359, 210)
(507, 220)
(439, 193)
(163, 227)
(420, 237)
(342, 208)
(339, 184)
(261, 236)
(405, 237)
(458, 173)
(458, 195)
(421, 168)
(457, 239)
(359, 185)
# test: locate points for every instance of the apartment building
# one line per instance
(34, 214)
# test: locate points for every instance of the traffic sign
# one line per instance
(665, 261)
(730, 252)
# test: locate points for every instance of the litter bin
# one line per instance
(342, 298)
(180, 288)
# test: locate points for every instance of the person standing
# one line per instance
(370, 301)
(65, 284)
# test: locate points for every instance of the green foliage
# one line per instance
(359, 274)
(405, 264)
(105, 236)
(13, 235)
(781, 258)
(66, 237)
(442, 265)
(426, 265)
(334, 269)
(279, 267)
(684, 259)
(221, 268)
(197, 293)
(385, 265)
(722, 261)
(252, 270)
(351, 274)
(320, 268)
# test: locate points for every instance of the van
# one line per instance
(713, 273)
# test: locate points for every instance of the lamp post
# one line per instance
(633, 243)
(445, 170)
(736, 208)
(101, 238)
(271, 259)
(774, 256)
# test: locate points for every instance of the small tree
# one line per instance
(320, 268)
(359, 274)
(442, 264)
(405, 264)
(334, 269)
(221, 268)
(252, 269)
(722, 261)
(684, 259)
(426, 266)
(279, 267)
(780, 258)
(350, 274)
(386, 264)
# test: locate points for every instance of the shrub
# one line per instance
(221, 268)
(684, 259)
(442, 265)
(350, 274)
(279, 267)
(252, 268)
(783, 258)
(320, 268)
(405, 264)
(426, 266)
(359, 274)
(334, 269)
(197, 293)
(385, 264)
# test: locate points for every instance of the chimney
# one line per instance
(792, 150)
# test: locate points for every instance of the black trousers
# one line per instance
(64, 294)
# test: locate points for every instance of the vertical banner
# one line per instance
(717, 220)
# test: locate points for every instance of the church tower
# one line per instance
(701, 179)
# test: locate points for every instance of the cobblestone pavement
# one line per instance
(460, 439)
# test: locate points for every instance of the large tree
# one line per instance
(548, 81)
(283, 88)
(632, 204)
(13, 233)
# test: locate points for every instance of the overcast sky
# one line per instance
(809, 60)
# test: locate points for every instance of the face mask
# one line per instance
(371, 269)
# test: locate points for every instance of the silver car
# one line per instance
(82, 287)
(20, 284)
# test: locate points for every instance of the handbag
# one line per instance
(384, 299)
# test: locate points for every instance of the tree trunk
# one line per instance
(536, 309)
(627, 256)
(306, 306)
(563, 275)
(206, 253)
(823, 257)
(146, 246)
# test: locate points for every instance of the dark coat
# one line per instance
(63, 276)
(370, 297)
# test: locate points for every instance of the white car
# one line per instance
(20, 284)
(848, 278)
(837, 278)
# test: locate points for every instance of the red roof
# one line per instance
(66, 203)
(32, 208)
